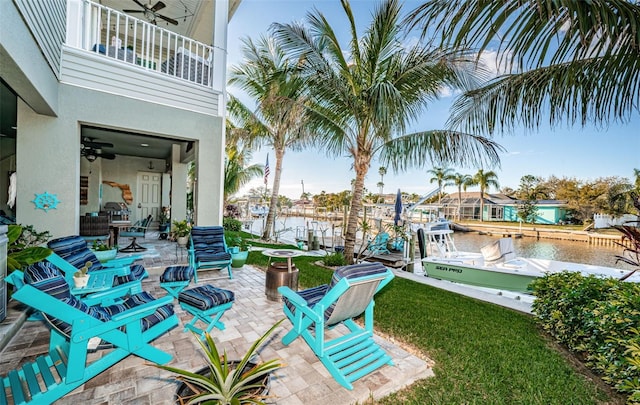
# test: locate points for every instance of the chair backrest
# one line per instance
(140, 225)
(46, 278)
(363, 281)
(74, 250)
(210, 238)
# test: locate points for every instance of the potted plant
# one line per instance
(224, 381)
(238, 248)
(23, 246)
(180, 232)
(103, 252)
(80, 277)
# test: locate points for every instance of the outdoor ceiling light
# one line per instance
(91, 157)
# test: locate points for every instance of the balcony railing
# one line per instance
(116, 35)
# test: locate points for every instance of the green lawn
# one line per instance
(483, 353)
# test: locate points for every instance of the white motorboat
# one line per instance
(496, 265)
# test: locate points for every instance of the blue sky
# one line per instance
(584, 153)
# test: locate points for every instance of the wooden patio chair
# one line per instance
(76, 328)
(71, 253)
(208, 250)
(349, 294)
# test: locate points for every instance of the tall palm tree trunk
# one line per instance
(361, 168)
(273, 205)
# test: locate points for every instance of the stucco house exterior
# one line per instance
(100, 105)
(500, 207)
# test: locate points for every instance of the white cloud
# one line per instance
(497, 64)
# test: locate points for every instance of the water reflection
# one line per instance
(563, 250)
(568, 251)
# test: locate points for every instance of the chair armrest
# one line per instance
(121, 261)
(99, 298)
(118, 271)
(299, 303)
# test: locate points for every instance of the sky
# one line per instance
(575, 152)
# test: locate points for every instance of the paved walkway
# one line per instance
(304, 380)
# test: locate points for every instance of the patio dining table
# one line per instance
(114, 230)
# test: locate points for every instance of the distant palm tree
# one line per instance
(443, 177)
(485, 180)
(366, 95)
(462, 181)
(574, 60)
(382, 171)
(274, 82)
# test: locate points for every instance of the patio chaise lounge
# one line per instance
(75, 328)
(349, 294)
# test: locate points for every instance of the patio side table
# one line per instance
(280, 273)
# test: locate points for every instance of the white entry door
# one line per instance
(149, 188)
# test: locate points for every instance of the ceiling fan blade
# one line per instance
(167, 19)
(132, 11)
(108, 156)
(140, 4)
(96, 145)
(158, 6)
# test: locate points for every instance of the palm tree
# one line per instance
(238, 153)
(382, 171)
(462, 181)
(364, 96)
(443, 177)
(574, 60)
(485, 180)
(272, 79)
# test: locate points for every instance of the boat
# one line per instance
(259, 211)
(496, 265)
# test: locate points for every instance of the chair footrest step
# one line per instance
(28, 383)
(358, 357)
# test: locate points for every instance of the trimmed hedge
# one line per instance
(598, 318)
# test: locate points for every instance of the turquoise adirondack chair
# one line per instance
(349, 294)
(208, 250)
(70, 253)
(378, 246)
(126, 328)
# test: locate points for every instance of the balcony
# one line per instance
(108, 50)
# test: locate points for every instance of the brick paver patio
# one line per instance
(303, 380)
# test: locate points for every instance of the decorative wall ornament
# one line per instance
(46, 201)
(127, 196)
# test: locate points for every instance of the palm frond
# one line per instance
(439, 148)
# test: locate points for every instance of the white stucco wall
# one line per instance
(48, 155)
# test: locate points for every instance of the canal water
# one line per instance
(568, 251)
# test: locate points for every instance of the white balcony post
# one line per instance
(220, 22)
(75, 24)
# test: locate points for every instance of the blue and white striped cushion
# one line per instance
(47, 278)
(176, 273)
(74, 250)
(209, 243)
(144, 297)
(310, 295)
(206, 297)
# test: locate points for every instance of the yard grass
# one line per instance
(483, 353)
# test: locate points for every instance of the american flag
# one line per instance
(266, 171)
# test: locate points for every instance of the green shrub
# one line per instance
(334, 259)
(599, 318)
(231, 224)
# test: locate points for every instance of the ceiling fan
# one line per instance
(151, 12)
(92, 149)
